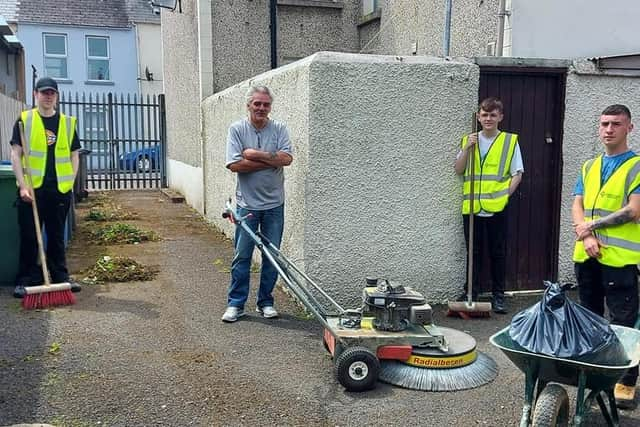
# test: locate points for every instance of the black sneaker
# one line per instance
(75, 286)
(19, 291)
(497, 304)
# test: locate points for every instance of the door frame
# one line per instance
(536, 67)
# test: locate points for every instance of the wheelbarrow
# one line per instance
(544, 376)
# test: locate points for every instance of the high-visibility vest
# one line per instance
(492, 175)
(36, 137)
(622, 242)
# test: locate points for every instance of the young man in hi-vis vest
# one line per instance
(53, 158)
(498, 172)
(605, 212)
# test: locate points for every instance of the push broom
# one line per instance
(469, 308)
(48, 294)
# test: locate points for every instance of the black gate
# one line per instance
(124, 136)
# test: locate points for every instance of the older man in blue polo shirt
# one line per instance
(258, 148)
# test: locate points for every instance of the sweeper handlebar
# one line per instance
(300, 287)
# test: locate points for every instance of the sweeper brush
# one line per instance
(461, 367)
(391, 337)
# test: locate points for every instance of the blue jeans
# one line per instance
(270, 223)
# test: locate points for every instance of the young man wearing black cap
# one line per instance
(53, 158)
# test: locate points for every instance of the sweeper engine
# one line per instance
(393, 306)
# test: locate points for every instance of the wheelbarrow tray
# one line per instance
(567, 371)
(540, 370)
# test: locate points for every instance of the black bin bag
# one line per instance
(559, 327)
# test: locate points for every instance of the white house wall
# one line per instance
(588, 93)
(574, 28)
(372, 189)
(150, 49)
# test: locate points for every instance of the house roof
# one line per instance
(94, 13)
(8, 9)
(141, 11)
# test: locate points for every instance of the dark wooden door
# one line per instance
(534, 109)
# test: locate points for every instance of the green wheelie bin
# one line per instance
(10, 241)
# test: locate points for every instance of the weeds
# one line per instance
(54, 348)
(122, 233)
(116, 213)
(119, 269)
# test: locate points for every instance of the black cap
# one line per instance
(46, 83)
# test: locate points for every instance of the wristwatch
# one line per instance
(273, 155)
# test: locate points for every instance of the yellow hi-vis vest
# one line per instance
(492, 175)
(36, 137)
(622, 242)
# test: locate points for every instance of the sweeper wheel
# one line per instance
(357, 369)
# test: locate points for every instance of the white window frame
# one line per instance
(102, 58)
(370, 6)
(55, 55)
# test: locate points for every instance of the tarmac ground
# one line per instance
(157, 353)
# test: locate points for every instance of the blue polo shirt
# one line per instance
(261, 189)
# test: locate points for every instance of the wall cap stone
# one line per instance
(312, 3)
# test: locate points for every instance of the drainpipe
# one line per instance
(502, 13)
(446, 37)
(273, 22)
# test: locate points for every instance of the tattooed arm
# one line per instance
(630, 212)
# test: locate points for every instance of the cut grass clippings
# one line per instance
(119, 269)
(114, 213)
(120, 232)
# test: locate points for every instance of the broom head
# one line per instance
(45, 296)
(467, 310)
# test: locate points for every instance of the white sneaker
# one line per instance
(231, 314)
(267, 311)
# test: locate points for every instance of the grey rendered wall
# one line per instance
(474, 23)
(588, 93)
(290, 86)
(372, 189)
(585, 27)
(241, 36)
(182, 84)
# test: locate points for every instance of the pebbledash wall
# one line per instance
(372, 189)
(589, 91)
(183, 84)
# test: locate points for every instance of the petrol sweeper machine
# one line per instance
(391, 337)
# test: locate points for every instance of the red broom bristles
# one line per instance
(48, 299)
(466, 315)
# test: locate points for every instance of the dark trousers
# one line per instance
(492, 232)
(53, 207)
(618, 286)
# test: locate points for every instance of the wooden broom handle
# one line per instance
(472, 172)
(34, 206)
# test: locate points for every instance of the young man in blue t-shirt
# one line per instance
(605, 210)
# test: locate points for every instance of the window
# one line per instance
(95, 119)
(55, 55)
(98, 58)
(369, 6)
(96, 136)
